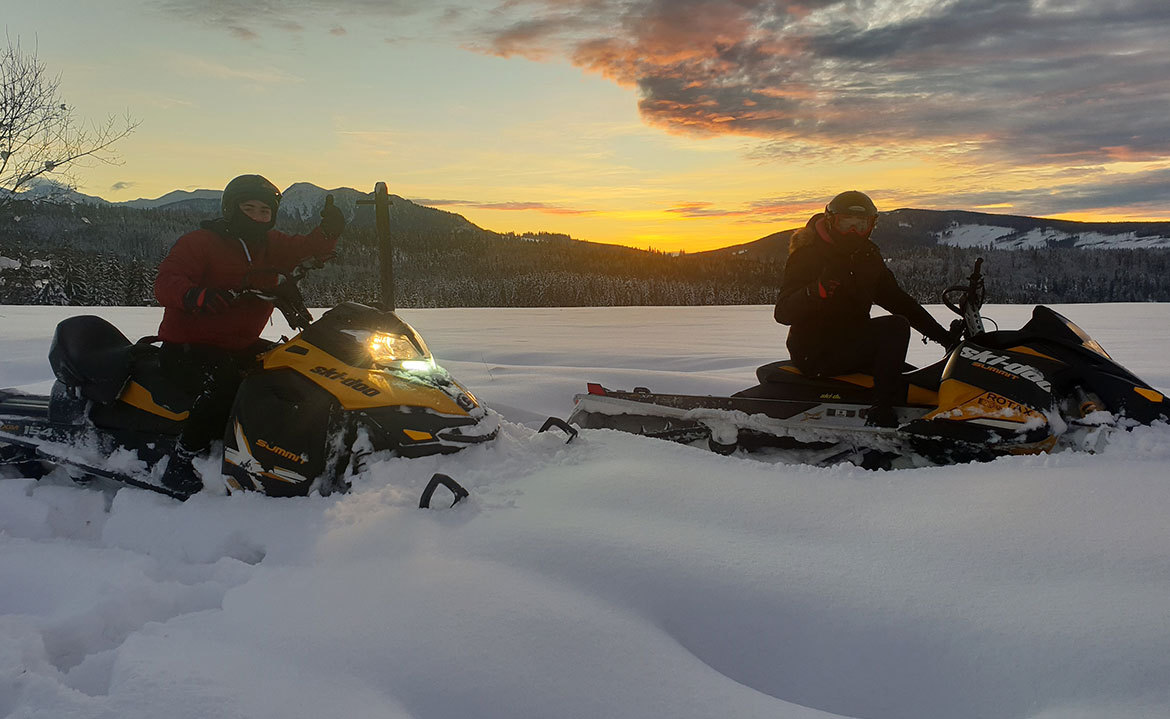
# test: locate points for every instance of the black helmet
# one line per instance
(851, 213)
(851, 203)
(249, 187)
(242, 189)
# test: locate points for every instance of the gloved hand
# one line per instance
(332, 221)
(828, 282)
(206, 300)
(955, 335)
(949, 339)
(263, 281)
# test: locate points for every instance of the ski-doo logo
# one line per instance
(352, 382)
(281, 452)
(987, 359)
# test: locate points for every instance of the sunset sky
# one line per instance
(672, 124)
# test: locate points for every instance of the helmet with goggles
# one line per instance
(243, 189)
(851, 213)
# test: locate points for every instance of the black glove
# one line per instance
(949, 339)
(332, 221)
(955, 335)
(829, 281)
(206, 300)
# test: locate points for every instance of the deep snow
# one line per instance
(612, 577)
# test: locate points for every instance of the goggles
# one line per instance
(855, 224)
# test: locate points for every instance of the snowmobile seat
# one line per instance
(922, 384)
(93, 355)
(786, 371)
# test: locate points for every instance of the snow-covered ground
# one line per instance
(612, 577)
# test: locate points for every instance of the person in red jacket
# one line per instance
(834, 275)
(210, 336)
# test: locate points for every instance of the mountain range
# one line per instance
(902, 228)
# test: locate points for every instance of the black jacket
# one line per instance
(830, 284)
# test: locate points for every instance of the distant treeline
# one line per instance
(86, 255)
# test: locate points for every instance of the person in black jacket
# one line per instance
(834, 275)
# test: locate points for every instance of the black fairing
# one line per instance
(1056, 336)
(285, 419)
(385, 425)
(93, 355)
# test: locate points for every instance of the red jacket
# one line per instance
(204, 258)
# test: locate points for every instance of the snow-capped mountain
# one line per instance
(304, 200)
(906, 228)
(1007, 238)
(45, 190)
(172, 197)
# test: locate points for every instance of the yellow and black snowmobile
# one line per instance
(1000, 392)
(356, 381)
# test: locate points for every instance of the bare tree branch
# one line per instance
(39, 136)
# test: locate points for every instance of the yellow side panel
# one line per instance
(961, 401)
(355, 387)
(921, 396)
(138, 396)
(861, 380)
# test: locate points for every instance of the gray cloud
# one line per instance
(1036, 81)
(991, 84)
(1145, 191)
(249, 19)
(1080, 190)
(124, 185)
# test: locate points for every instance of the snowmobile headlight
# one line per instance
(395, 349)
(417, 365)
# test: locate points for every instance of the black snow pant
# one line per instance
(211, 375)
(877, 346)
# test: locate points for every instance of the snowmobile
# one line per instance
(1031, 390)
(356, 381)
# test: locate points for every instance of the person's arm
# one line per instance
(288, 251)
(893, 298)
(180, 272)
(801, 293)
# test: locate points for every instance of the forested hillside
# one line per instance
(107, 255)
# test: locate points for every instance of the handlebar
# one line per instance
(286, 294)
(968, 306)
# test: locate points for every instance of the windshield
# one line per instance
(1061, 325)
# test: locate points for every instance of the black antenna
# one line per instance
(381, 203)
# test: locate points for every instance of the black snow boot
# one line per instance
(180, 476)
(881, 415)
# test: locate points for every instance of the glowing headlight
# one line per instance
(390, 349)
(418, 365)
